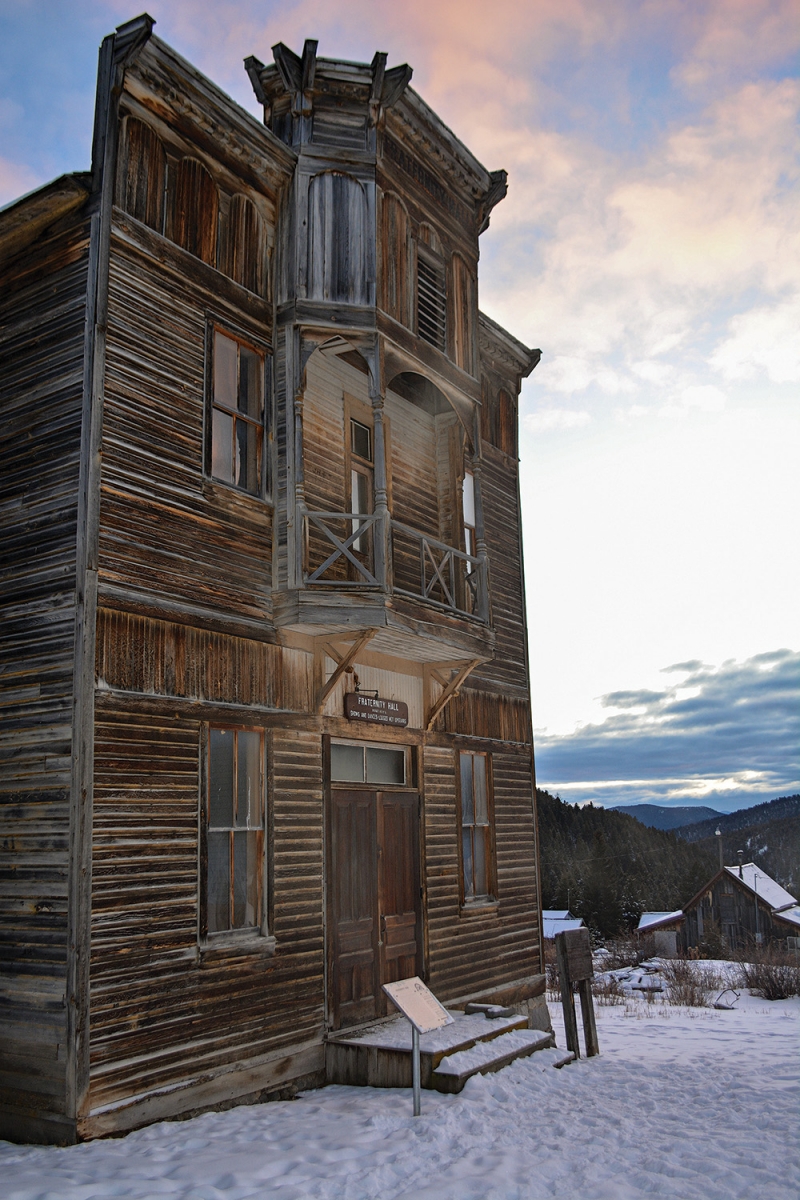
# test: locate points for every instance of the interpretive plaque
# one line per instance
(418, 1003)
(375, 710)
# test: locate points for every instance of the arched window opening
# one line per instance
(195, 209)
(463, 354)
(245, 245)
(396, 292)
(143, 173)
(337, 257)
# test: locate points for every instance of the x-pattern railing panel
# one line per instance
(361, 523)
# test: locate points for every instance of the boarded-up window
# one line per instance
(396, 295)
(143, 173)
(232, 882)
(462, 315)
(244, 260)
(337, 245)
(195, 206)
(506, 424)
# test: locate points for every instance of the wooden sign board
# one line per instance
(375, 710)
(419, 1004)
(578, 948)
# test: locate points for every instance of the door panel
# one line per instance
(375, 923)
(399, 886)
(353, 888)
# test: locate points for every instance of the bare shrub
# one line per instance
(687, 985)
(625, 951)
(772, 973)
(607, 991)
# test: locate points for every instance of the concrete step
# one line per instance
(484, 1057)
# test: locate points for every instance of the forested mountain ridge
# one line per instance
(768, 834)
(773, 810)
(608, 868)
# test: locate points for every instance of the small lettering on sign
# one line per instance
(418, 1003)
(375, 710)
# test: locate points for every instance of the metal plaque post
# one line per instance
(415, 1068)
(424, 1013)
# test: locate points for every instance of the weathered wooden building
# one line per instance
(266, 735)
(744, 907)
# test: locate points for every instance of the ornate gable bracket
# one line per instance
(498, 189)
(298, 74)
(452, 677)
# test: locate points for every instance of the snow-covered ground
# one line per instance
(691, 1104)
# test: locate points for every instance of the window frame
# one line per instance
(266, 427)
(256, 936)
(489, 899)
(368, 744)
(356, 411)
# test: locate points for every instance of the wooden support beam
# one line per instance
(343, 661)
(452, 686)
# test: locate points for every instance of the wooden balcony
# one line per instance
(366, 570)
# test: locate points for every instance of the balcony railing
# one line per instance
(345, 550)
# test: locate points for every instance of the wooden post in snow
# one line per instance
(574, 955)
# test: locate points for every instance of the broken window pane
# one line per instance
(251, 390)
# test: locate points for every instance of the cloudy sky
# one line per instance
(650, 245)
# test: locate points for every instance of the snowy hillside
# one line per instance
(682, 1103)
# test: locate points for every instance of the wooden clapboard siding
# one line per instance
(500, 492)
(470, 951)
(164, 1013)
(165, 529)
(42, 316)
(480, 712)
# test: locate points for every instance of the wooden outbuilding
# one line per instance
(266, 727)
(742, 906)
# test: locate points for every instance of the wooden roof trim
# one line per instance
(230, 131)
(23, 220)
(501, 344)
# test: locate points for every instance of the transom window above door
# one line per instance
(357, 762)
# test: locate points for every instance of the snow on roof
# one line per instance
(558, 925)
(556, 914)
(763, 885)
(792, 915)
(648, 920)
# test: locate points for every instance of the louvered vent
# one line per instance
(431, 302)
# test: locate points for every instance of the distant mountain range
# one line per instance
(668, 818)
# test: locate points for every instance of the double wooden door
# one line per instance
(374, 913)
